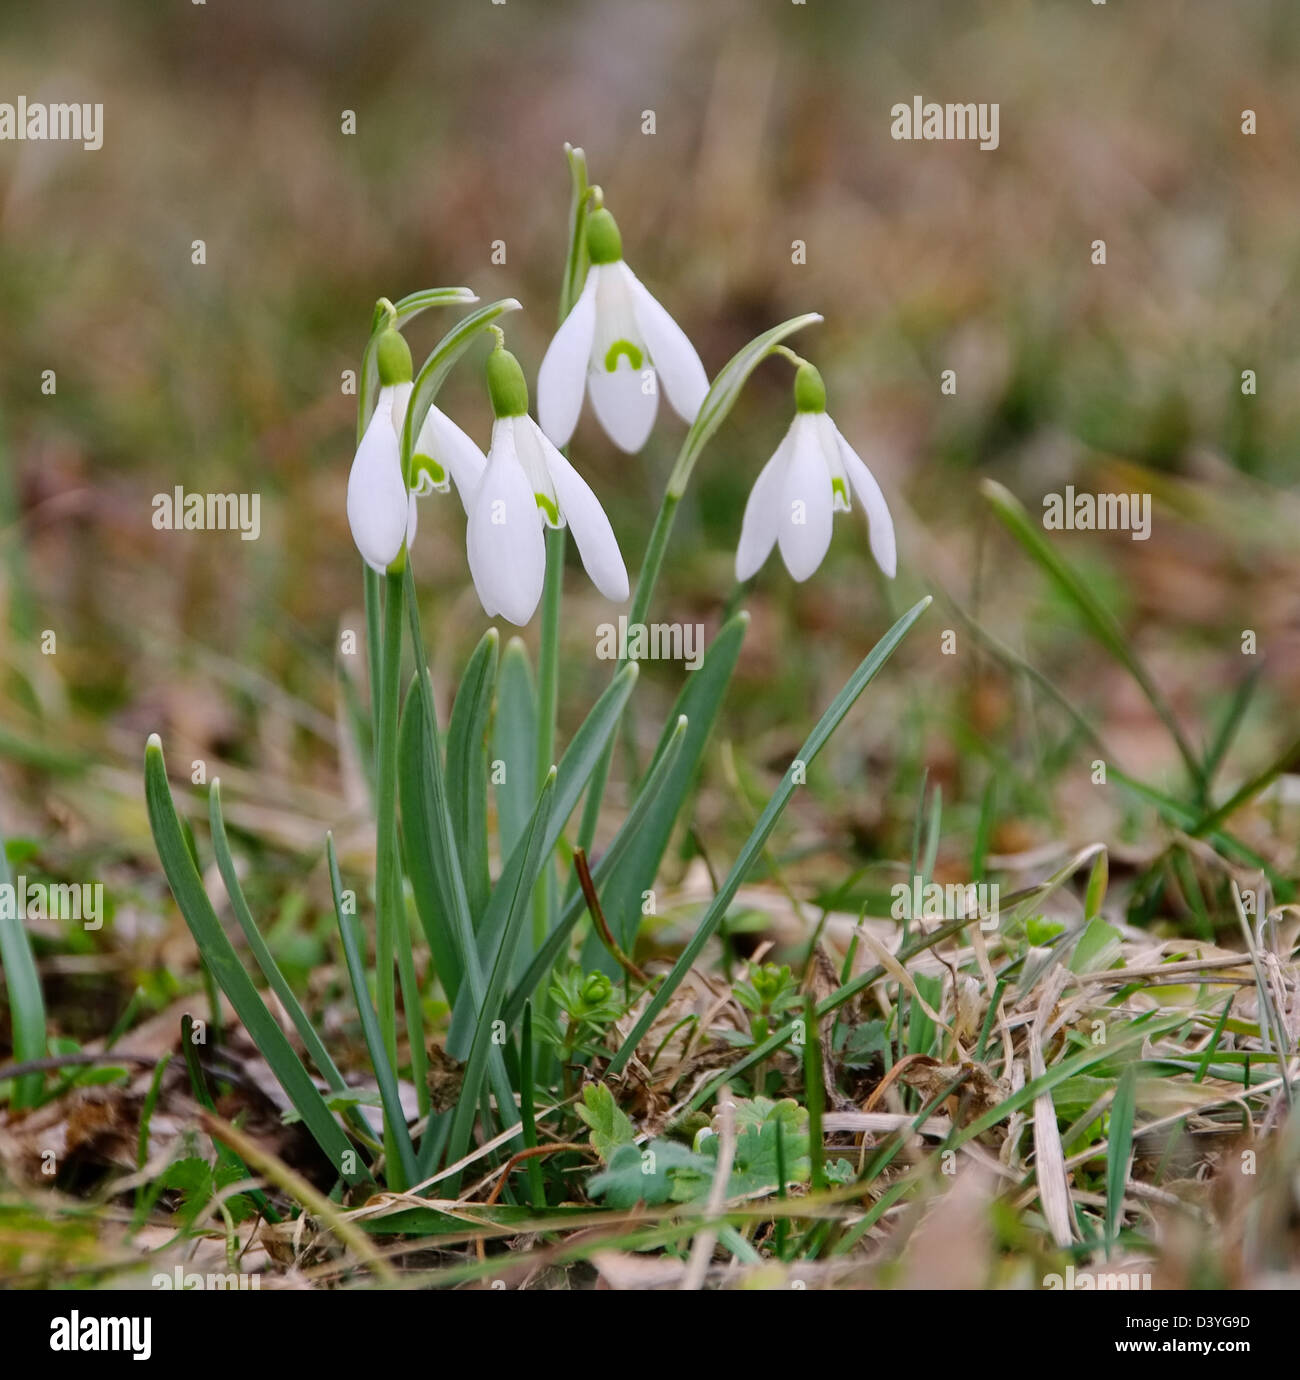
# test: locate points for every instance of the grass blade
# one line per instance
(1099, 619)
(220, 956)
(1119, 1152)
(399, 1133)
(829, 721)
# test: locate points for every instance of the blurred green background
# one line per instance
(772, 124)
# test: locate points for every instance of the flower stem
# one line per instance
(645, 585)
(388, 887)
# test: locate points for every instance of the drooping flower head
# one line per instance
(618, 344)
(527, 485)
(803, 485)
(381, 509)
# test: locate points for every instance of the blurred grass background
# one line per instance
(222, 123)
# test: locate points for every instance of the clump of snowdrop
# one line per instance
(528, 484)
(803, 485)
(618, 344)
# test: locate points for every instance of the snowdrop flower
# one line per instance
(616, 343)
(805, 482)
(528, 484)
(381, 511)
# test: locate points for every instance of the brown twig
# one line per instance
(598, 917)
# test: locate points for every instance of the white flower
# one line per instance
(381, 511)
(528, 484)
(801, 487)
(618, 343)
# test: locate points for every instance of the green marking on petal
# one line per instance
(622, 347)
(426, 464)
(547, 505)
(841, 493)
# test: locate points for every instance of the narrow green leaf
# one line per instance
(438, 853)
(220, 956)
(1097, 617)
(609, 864)
(724, 391)
(394, 1117)
(1119, 1152)
(699, 702)
(828, 723)
(433, 373)
(467, 770)
(519, 902)
(407, 309)
(514, 732)
(430, 882)
(26, 1001)
(276, 980)
(574, 770)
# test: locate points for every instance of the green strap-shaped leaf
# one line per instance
(384, 1075)
(534, 849)
(699, 702)
(422, 849)
(432, 822)
(219, 954)
(723, 392)
(575, 768)
(514, 732)
(276, 980)
(749, 854)
(467, 769)
(607, 865)
(26, 1002)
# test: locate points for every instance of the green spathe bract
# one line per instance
(604, 243)
(506, 384)
(809, 390)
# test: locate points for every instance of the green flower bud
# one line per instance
(604, 243)
(393, 355)
(596, 988)
(809, 390)
(506, 384)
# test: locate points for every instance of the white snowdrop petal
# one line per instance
(672, 354)
(401, 393)
(625, 408)
(563, 375)
(507, 555)
(581, 509)
(377, 498)
(881, 533)
(804, 523)
(758, 528)
(443, 441)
